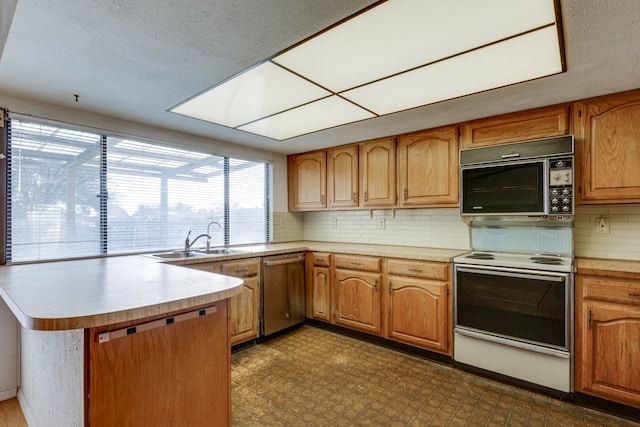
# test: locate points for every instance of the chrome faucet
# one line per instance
(188, 244)
(208, 234)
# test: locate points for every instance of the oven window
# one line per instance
(530, 309)
(504, 189)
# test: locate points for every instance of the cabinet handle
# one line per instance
(353, 197)
(322, 199)
(366, 197)
(589, 319)
(390, 290)
(406, 194)
(375, 285)
(325, 279)
(632, 294)
(355, 263)
(415, 270)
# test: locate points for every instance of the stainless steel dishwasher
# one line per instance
(283, 292)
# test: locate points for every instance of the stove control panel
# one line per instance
(561, 186)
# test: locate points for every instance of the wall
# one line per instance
(623, 241)
(442, 228)
(8, 353)
(437, 228)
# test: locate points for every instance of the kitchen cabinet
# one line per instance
(378, 173)
(428, 168)
(608, 336)
(342, 177)
(356, 292)
(307, 181)
(515, 127)
(319, 289)
(169, 374)
(418, 306)
(608, 148)
(244, 307)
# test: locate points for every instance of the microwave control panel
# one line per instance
(561, 185)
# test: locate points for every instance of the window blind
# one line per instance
(74, 193)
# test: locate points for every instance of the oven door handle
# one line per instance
(512, 274)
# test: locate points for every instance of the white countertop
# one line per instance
(102, 291)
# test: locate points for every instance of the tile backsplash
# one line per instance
(439, 228)
(623, 240)
(442, 228)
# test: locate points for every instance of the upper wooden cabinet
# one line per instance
(342, 176)
(307, 181)
(428, 168)
(608, 140)
(378, 172)
(516, 127)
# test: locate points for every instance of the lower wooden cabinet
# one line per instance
(357, 300)
(407, 301)
(419, 308)
(608, 338)
(244, 307)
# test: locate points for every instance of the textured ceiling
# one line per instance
(136, 59)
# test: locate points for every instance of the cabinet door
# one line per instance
(428, 168)
(608, 141)
(342, 177)
(357, 300)
(321, 296)
(419, 312)
(243, 307)
(607, 363)
(515, 127)
(176, 374)
(378, 172)
(307, 181)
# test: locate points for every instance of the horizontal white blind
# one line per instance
(66, 201)
(54, 184)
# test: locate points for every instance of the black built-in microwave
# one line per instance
(531, 178)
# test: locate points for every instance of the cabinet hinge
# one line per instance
(579, 113)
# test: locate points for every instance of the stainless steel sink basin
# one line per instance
(218, 251)
(178, 255)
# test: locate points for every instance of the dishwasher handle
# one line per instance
(268, 263)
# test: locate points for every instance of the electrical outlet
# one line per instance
(602, 226)
(333, 223)
(381, 223)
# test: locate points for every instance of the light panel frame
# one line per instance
(392, 56)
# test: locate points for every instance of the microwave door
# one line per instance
(507, 189)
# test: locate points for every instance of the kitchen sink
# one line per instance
(178, 255)
(218, 251)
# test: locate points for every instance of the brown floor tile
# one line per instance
(313, 377)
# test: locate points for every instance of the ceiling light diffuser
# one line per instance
(396, 55)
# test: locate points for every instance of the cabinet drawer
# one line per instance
(354, 262)
(607, 288)
(423, 269)
(321, 259)
(241, 268)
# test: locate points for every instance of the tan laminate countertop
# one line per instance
(600, 266)
(389, 251)
(103, 291)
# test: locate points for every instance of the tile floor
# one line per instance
(313, 377)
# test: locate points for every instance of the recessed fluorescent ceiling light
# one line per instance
(398, 55)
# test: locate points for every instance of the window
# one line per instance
(77, 194)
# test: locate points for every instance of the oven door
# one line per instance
(514, 305)
(514, 188)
